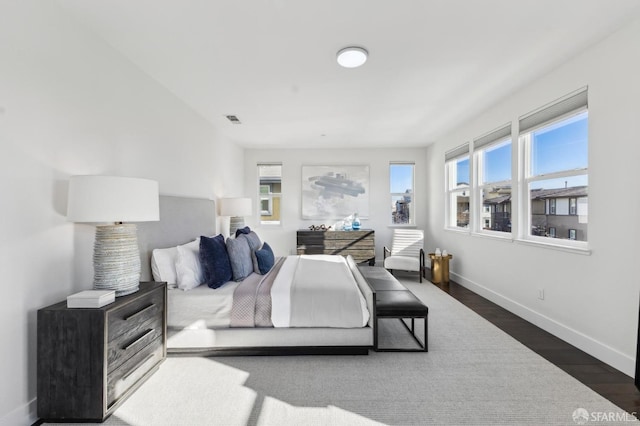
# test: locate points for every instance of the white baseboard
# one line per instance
(23, 415)
(599, 350)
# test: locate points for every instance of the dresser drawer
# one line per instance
(130, 343)
(310, 238)
(359, 244)
(133, 369)
(138, 311)
(310, 249)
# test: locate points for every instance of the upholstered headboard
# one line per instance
(182, 220)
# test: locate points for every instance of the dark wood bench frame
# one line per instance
(378, 285)
(424, 347)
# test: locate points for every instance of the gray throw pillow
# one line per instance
(252, 239)
(254, 244)
(240, 258)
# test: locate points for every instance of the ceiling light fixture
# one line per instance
(352, 57)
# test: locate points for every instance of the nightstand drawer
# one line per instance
(123, 378)
(137, 312)
(130, 343)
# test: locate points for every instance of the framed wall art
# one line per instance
(335, 191)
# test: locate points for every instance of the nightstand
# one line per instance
(91, 360)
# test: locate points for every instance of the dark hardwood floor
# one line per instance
(617, 387)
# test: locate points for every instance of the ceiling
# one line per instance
(432, 63)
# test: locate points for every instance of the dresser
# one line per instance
(91, 360)
(359, 244)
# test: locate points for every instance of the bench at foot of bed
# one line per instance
(394, 300)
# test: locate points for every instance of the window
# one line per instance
(401, 188)
(266, 201)
(492, 154)
(555, 174)
(270, 193)
(457, 187)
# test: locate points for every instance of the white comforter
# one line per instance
(317, 291)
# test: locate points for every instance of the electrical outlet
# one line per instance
(541, 293)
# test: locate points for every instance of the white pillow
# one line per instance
(163, 265)
(188, 269)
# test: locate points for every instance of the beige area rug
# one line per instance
(473, 374)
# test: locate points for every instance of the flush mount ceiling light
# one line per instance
(352, 57)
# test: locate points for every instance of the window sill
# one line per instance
(507, 237)
(568, 249)
(459, 230)
(401, 226)
(269, 225)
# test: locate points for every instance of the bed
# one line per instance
(201, 321)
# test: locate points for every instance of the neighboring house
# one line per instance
(269, 205)
(497, 213)
(560, 212)
(402, 214)
(556, 213)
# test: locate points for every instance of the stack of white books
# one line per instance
(91, 299)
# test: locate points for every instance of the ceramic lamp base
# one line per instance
(236, 222)
(116, 259)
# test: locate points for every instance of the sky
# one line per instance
(401, 177)
(556, 148)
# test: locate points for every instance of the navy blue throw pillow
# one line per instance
(215, 261)
(265, 258)
(244, 230)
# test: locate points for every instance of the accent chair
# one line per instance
(407, 253)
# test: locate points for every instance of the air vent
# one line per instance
(233, 119)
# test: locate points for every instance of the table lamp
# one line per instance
(237, 209)
(114, 199)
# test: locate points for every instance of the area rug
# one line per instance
(473, 374)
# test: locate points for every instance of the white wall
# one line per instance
(590, 301)
(69, 104)
(283, 238)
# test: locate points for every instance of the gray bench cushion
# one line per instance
(386, 284)
(399, 303)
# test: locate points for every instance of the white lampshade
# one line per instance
(235, 207)
(112, 199)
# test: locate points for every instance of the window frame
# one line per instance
(495, 139)
(526, 177)
(269, 196)
(573, 206)
(412, 208)
(452, 158)
(265, 196)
